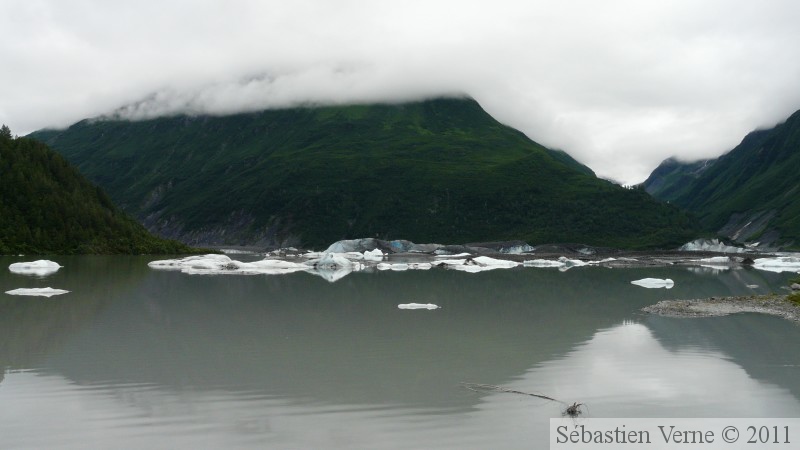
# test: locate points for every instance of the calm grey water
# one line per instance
(137, 358)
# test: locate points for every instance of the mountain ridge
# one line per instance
(439, 170)
(749, 194)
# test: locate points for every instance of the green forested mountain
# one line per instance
(672, 178)
(46, 206)
(752, 193)
(434, 171)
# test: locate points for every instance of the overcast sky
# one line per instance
(619, 84)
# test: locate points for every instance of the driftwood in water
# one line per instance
(573, 410)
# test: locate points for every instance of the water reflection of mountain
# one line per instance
(762, 345)
(301, 337)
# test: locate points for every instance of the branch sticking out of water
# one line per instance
(573, 410)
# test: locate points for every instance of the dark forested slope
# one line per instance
(46, 206)
(435, 171)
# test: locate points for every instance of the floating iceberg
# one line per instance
(485, 261)
(37, 292)
(477, 264)
(373, 255)
(395, 266)
(715, 261)
(779, 264)
(39, 268)
(563, 264)
(417, 306)
(449, 262)
(654, 283)
(404, 266)
(217, 264)
(178, 264)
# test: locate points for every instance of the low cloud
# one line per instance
(620, 84)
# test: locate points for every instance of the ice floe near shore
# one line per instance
(654, 283)
(42, 267)
(37, 292)
(778, 264)
(417, 306)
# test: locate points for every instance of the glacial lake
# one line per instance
(138, 358)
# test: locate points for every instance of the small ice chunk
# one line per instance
(602, 261)
(486, 261)
(715, 261)
(653, 283)
(417, 306)
(469, 268)
(39, 268)
(37, 292)
(403, 266)
(460, 255)
(200, 260)
(373, 255)
(542, 263)
(449, 262)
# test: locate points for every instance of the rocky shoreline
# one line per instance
(776, 305)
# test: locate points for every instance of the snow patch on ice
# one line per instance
(779, 264)
(654, 283)
(37, 292)
(42, 267)
(417, 306)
